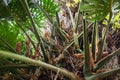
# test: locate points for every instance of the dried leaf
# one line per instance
(81, 56)
(18, 47)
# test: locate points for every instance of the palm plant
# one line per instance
(59, 44)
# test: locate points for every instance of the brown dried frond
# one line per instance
(47, 35)
(57, 59)
(28, 47)
(59, 48)
(37, 53)
(27, 41)
(18, 47)
(81, 56)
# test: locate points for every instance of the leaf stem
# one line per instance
(39, 63)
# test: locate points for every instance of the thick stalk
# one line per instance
(86, 49)
(26, 7)
(39, 63)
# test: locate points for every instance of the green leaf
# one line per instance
(98, 9)
(9, 35)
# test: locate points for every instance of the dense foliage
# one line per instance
(24, 45)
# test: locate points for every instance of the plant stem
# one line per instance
(26, 7)
(104, 60)
(94, 34)
(39, 63)
(102, 75)
(26, 34)
(73, 41)
(78, 19)
(86, 47)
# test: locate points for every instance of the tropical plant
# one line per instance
(8, 41)
(51, 49)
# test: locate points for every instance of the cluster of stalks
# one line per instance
(53, 47)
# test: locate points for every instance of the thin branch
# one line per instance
(102, 75)
(101, 62)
